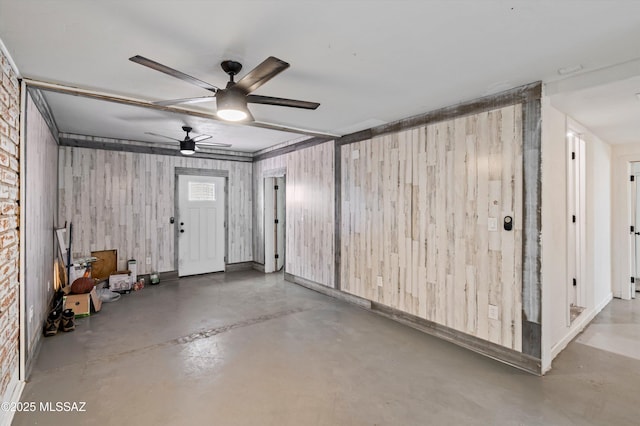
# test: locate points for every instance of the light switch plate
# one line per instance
(493, 312)
(492, 224)
(355, 154)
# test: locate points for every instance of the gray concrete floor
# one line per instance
(251, 349)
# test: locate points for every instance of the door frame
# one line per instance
(191, 171)
(621, 211)
(576, 231)
(274, 242)
(273, 173)
(633, 205)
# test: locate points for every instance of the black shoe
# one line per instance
(67, 320)
(53, 323)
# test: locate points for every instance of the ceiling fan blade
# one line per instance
(214, 144)
(185, 101)
(201, 138)
(162, 136)
(268, 100)
(264, 72)
(173, 73)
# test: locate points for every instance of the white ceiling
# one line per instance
(611, 110)
(366, 62)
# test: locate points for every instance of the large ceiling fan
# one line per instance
(232, 100)
(189, 145)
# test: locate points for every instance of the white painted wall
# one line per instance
(597, 280)
(622, 155)
(554, 228)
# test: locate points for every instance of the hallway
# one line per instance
(251, 349)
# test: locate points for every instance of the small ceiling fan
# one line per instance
(189, 145)
(232, 100)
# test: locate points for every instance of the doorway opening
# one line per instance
(576, 246)
(274, 223)
(200, 222)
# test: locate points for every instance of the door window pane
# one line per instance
(202, 191)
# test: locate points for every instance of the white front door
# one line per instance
(201, 236)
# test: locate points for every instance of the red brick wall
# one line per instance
(9, 245)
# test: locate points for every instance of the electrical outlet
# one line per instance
(355, 154)
(30, 313)
(148, 261)
(492, 223)
(48, 285)
(493, 312)
(379, 281)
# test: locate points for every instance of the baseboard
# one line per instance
(257, 266)
(578, 325)
(328, 291)
(238, 266)
(13, 397)
(491, 350)
(165, 276)
(499, 353)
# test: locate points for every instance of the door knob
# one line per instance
(637, 233)
(181, 223)
(182, 231)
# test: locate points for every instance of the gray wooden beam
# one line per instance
(337, 185)
(42, 105)
(531, 282)
(307, 143)
(521, 94)
(75, 91)
(115, 146)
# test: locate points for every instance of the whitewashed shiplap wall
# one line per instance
(123, 201)
(309, 211)
(40, 210)
(414, 225)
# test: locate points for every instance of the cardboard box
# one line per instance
(105, 265)
(120, 281)
(83, 304)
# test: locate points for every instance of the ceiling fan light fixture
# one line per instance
(232, 114)
(187, 147)
(232, 105)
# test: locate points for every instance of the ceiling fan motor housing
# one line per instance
(187, 145)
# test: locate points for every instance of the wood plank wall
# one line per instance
(123, 201)
(309, 214)
(414, 226)
(40, 210)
